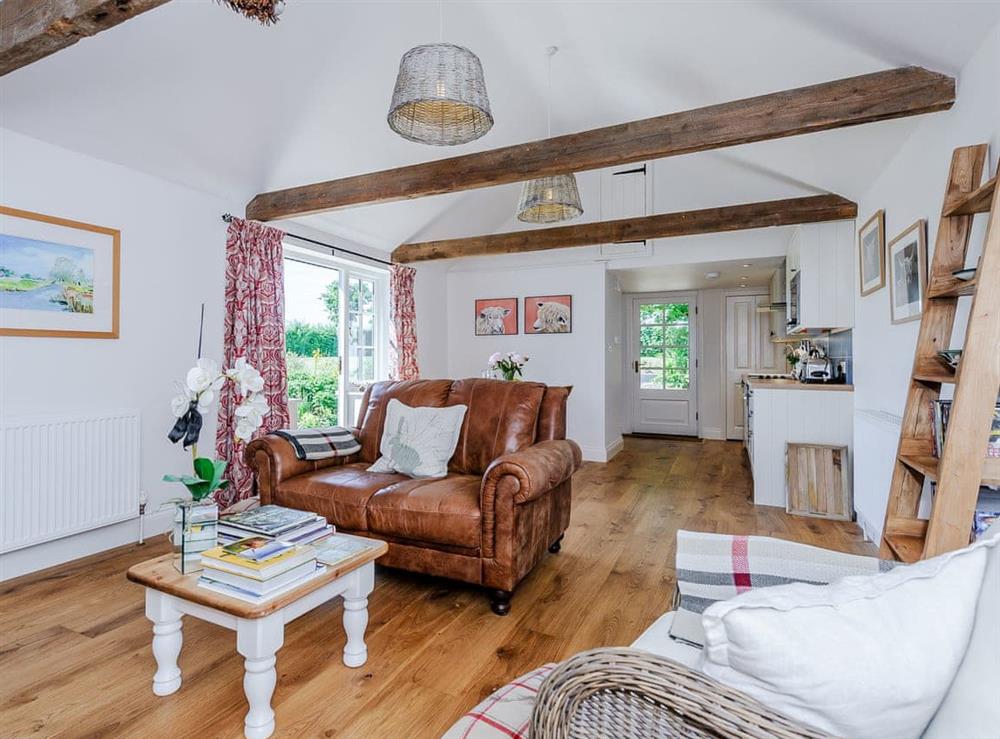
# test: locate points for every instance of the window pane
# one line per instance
(650, 314)
(312, 314)
(651, 336)
(676, 335)
(653, 361)
(651, 379)
(675, 379)
(677, 313)
(676, 357)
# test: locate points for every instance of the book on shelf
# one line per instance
(942, 410)
(339, 548)
(242, 593)
(218, 559)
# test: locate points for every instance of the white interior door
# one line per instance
(748, 349)
(663, 350)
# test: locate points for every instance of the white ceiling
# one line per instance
(731, 274)
(196, 94)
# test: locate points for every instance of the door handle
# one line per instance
(635, 366)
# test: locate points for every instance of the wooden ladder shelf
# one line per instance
(963, 466)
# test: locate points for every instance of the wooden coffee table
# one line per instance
(260, 628)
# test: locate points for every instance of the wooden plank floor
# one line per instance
(75, 655)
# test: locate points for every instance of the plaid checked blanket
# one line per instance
(713, 567)
(506, 714)
(313, 444)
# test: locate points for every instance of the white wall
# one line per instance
(575, 359)
(614, 343)
(711, 325)
(172, 247)
(430, 294)
(912, 187)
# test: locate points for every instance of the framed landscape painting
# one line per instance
(548, 314)
(496, 317)
(871, 253)
(57, 277)
(908, 273)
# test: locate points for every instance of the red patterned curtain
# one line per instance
(402, 309)
(254, 328)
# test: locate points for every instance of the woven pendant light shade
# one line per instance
(440, 96)
(549, 200)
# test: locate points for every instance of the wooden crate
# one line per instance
(817, 481)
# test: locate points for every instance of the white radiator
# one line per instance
(63, 475)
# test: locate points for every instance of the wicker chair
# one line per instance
(619, 693)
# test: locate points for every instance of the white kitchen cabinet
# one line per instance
(804, 415)
(820, 277)
(779, 317)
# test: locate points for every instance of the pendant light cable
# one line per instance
(549, 52)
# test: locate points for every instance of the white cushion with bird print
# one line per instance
(418, 442)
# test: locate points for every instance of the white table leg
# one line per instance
(356, 614)
(258, 640)
(167, 641)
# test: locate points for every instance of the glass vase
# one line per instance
(194, 531)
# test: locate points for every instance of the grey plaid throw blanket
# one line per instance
(313, 444)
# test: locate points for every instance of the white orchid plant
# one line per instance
(194, 398)
(510, 364)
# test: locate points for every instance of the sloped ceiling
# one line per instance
(195, 94)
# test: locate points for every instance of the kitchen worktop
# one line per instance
(777, 384)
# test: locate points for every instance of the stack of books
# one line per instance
(275, 521)
(257, 568)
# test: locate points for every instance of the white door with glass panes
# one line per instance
(366, 336)
(663, 377)
(336, 335)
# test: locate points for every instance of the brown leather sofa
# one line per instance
(506, 498)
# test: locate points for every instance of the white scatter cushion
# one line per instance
(418, 442)
(866, 656)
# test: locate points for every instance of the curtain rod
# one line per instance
(227, 217)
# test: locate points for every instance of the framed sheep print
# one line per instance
(908, 273)
(871, 254)
(548, 314)
(57, 277)
(496, 317)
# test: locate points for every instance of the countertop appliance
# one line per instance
(817, 369)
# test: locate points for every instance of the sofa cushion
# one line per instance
(971, 709)
(340, 494)
(501, 418)
(506, 713)
(657, 640)
(444, 511)
(414, 393)
(418, 442)
(868, 656)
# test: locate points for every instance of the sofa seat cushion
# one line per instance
(657, 640)
(340, 494)
(443, 511)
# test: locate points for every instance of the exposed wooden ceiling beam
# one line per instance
(812, 209)
(32, 29)
(894, 93)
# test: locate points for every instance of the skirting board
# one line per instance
(51, 553)
(712, 433)
(599, 454)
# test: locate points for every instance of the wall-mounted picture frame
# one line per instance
(907, 256)
(548, 314)
(496, 317)
(871, 253)
(58, 278)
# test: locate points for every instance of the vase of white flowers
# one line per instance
(510, 366)
(195, 520)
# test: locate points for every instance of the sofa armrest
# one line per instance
(273, 460)
(537, 469)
